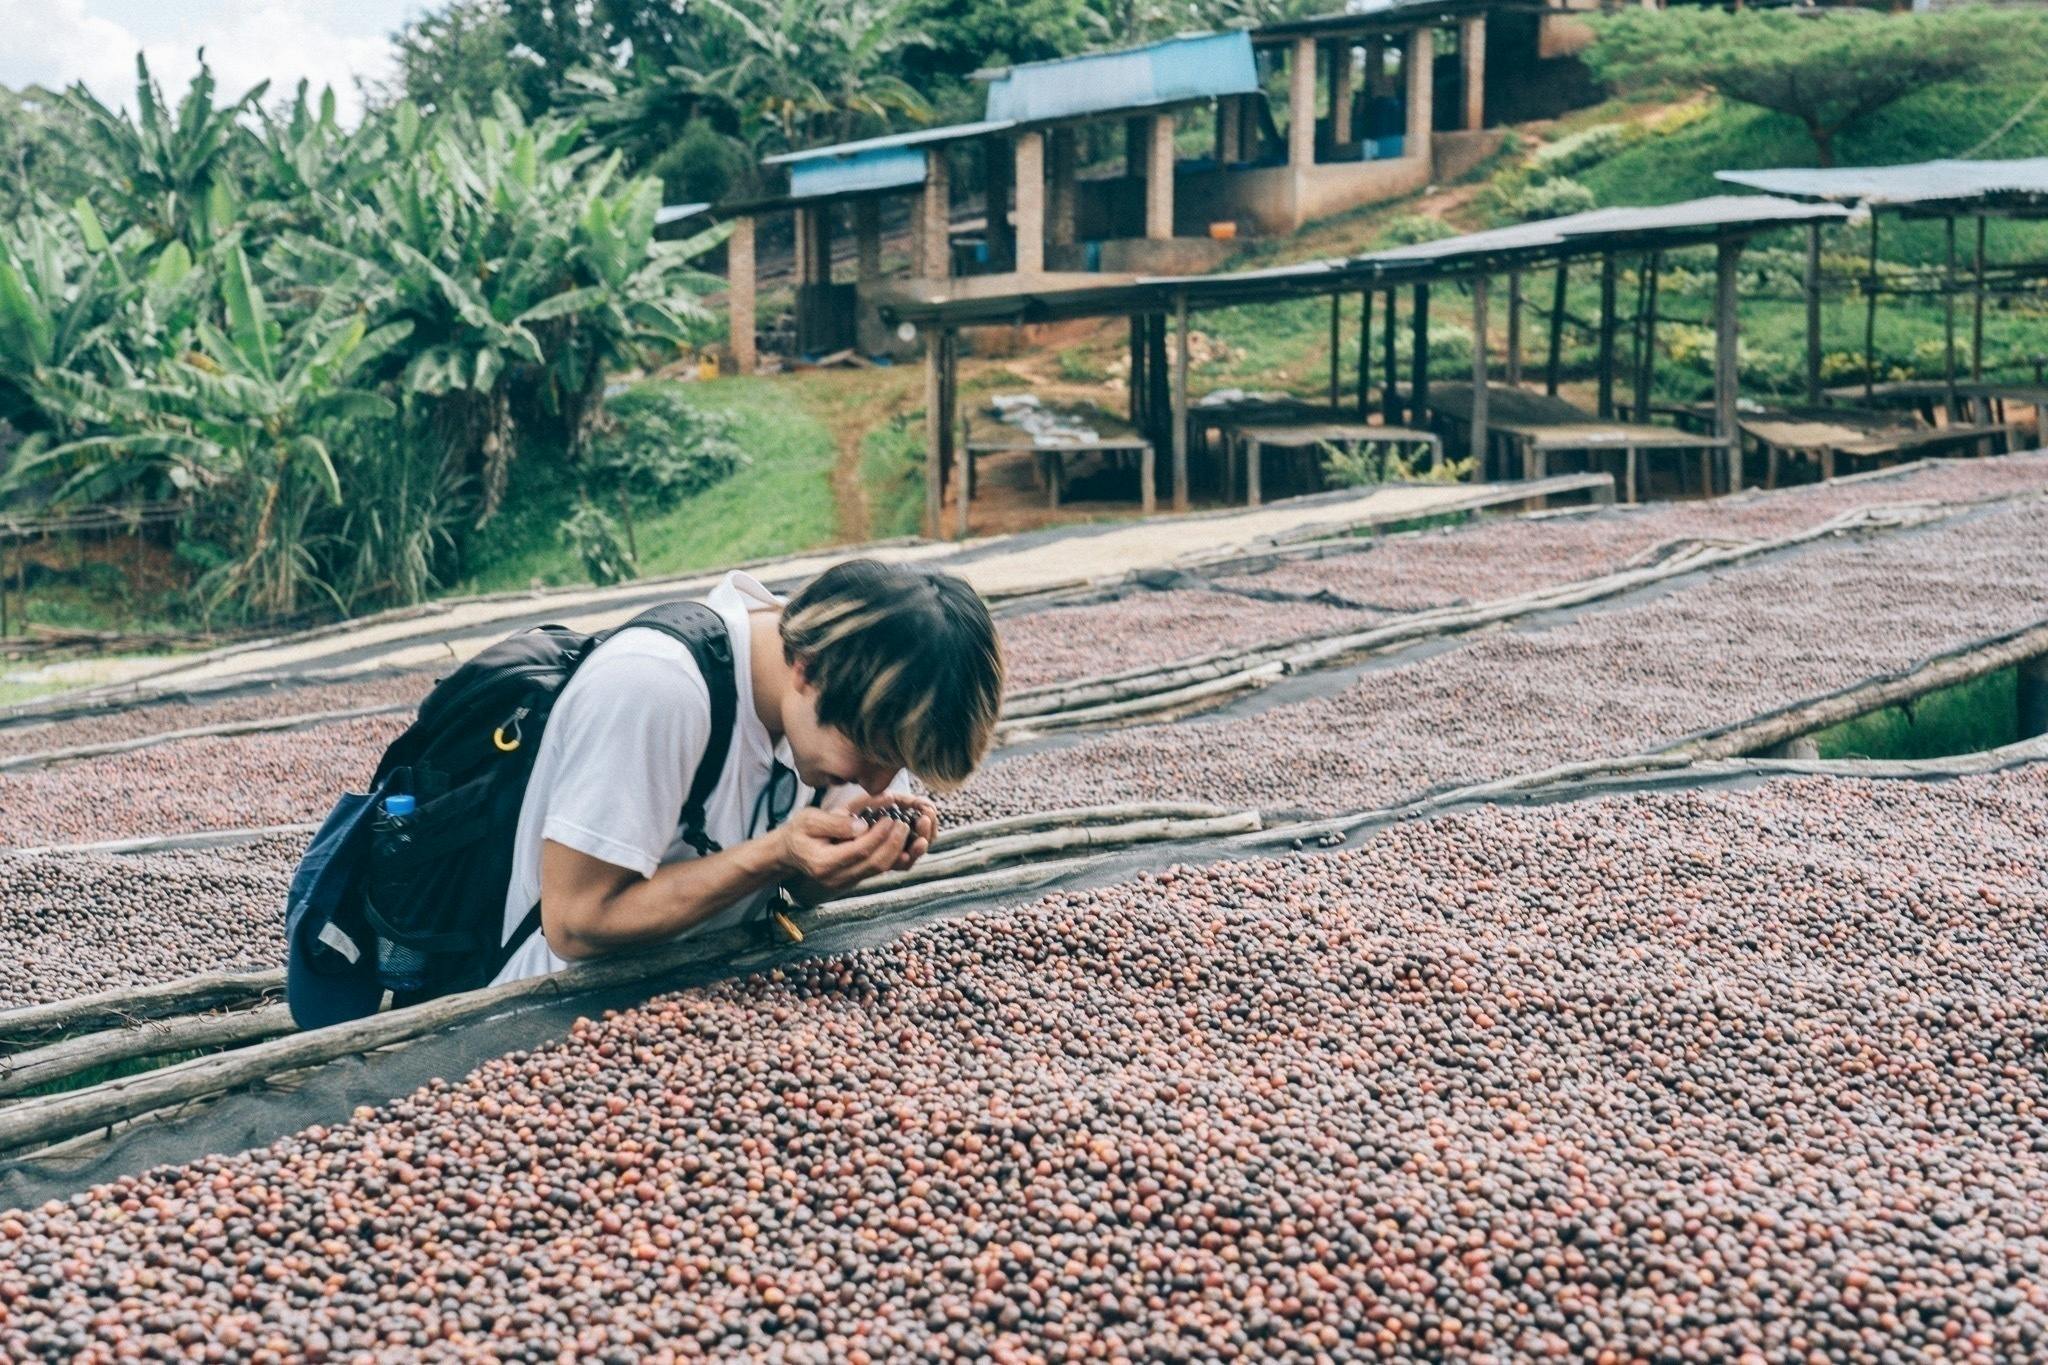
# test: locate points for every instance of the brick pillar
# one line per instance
(1030, 162)
(935, 218)
(867, 229)
(1159, 180)
(1301, 103)
(739, 294)
(1340, 91)
(1062, 201)
(1472, 52)
(1418, 58)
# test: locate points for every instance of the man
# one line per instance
(871, 674)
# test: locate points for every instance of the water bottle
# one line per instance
(399, 968)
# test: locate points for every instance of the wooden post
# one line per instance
(934, 433)
(1159, 375)
(1646, 357)
(1550, 377)
(1813, 313)
(1390, 404)
(1418, 364)
(1870, 316)
(1514, 367)
(1479, 394)
(1606, 378)
(1948, 316)
(1977, 311)
(867, 235)
(1180, 403)
(1138, 418)
(1726, 374)
(1336, 325)
(1364, 348)
(739, 294)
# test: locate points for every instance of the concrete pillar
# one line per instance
(1030, 163)
(1472, 56)
(2033, 696)
(1418, 59)
(739, 295)
(935, 218)
(867, 231)
(1159, 180)
(1301, 103)
(1060, 191)
(1340, 91)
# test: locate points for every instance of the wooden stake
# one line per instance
(1606, 378)
(1390, 403)
(1336, 325)
(1480, 446)
(1813, 313)
(1870, 317)
(1977, 308)
(1948, 317)
(1180, 404)
(1418, 379)
(1364, 349)
(1514, 368)
(1556, 358)
(1726, 376)
(1646, 331)
(934, 435)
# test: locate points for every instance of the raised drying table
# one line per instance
(1528, 428)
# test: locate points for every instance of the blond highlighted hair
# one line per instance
(906, 664)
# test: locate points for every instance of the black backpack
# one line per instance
(431, 886)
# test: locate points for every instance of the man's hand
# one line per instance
(834, 849)
(922, 832)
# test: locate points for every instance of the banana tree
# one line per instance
(171, 174)
(244, 421)
(524, 265)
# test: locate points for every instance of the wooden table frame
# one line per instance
(1252, 437)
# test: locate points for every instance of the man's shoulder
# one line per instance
(643, 664)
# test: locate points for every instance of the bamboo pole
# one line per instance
(26, 1025)
(961, 836)
(990, 853)
(302, 721)
(155, 1038)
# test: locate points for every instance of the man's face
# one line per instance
(824, 756)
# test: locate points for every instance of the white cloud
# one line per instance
(56, 42)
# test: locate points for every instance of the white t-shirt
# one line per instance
(618, 755)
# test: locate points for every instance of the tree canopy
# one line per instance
(1827, 69)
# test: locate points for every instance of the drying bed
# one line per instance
(1511, 555)
(213, 782)
(1603, 683)
(1141, 629)
(75, 923)
(157, 718)
(1745, 1075)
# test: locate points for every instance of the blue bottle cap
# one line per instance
(401, 804)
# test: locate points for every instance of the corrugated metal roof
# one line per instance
(1170, 72)
(676, 213)
(1387, 16)
(951, 132)
(1553, 239)
(1886, 186)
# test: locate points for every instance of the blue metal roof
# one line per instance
(1169, 72)
(873, 164)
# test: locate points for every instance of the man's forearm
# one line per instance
(678, 897)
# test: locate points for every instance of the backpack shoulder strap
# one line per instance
(702, 631)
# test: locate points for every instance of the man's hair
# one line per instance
(905, 662)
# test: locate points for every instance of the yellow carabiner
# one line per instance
(505, 746)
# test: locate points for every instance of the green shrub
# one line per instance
(1549, 199)
(594, 537)
(1408, 229)
(653, 443)
(1569, 155)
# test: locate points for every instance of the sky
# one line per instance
(53, 43)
